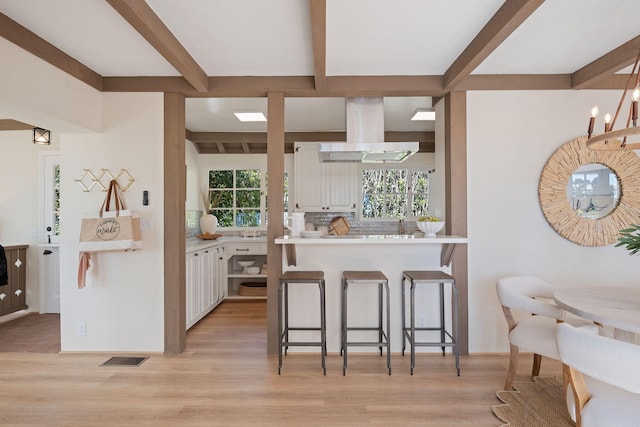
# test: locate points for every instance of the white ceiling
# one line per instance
(363, 37)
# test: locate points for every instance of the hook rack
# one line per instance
(88, 175)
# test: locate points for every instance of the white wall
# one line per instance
(510, 136)
(40, 94)
(194, 199)
(437, 190)
(123, 303)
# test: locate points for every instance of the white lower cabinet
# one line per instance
(203, 282)
(235, 274)
(213, 275)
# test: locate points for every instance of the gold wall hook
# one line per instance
(88, 180)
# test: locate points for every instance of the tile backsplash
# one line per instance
(362, 227)
(192, 223)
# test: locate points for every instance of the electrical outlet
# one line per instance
(82, 329)
(421, 322)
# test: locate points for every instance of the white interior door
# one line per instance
(50, 279)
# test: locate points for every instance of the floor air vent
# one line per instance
(125, 361)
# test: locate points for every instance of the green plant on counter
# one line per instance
(630, 238)
(429, 219)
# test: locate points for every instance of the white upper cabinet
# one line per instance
(323, 187)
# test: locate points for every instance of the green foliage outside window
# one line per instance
(56, 200)
(394, 193)
(235, 197)
(419, 193)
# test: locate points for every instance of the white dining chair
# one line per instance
(531, 314)
(601, 378)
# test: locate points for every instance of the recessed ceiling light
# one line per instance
(251, 117)
(424, 114)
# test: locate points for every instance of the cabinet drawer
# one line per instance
(246, 249)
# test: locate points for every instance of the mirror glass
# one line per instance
(593, 191)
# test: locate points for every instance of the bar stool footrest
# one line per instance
(367, 344)
(301, 344)
(407, 332)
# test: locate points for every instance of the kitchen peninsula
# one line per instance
(391, 254)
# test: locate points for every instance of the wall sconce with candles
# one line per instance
(41, 136)
(610, 140)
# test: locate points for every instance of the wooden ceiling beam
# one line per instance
(516, 82)
(614, 81)
(291, 137)
(606, 65)
(141, 17)
(224, 86)
(218, 148)
(385, 86)
(249, 138)
(343, 86)
(318, 9)
(10, 124)
(228, 137)
(291, 86)
(509, 17)
(31, 42)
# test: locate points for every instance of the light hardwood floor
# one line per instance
(225, 378)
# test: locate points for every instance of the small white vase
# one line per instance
(208, 223)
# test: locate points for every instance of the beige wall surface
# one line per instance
(510, 137)
(123, 304)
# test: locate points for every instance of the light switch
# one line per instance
(146, 224)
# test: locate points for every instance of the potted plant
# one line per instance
(630, 238)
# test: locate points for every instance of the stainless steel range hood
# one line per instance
(365, 137)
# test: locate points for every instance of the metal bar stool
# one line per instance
(409, 333)
(291, 277)
(358, 277)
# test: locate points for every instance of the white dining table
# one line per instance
(617, 307)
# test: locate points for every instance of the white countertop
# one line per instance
(194, 244)
(371, 239)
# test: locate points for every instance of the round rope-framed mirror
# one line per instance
(580, 222)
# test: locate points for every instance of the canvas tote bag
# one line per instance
(113, 230)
